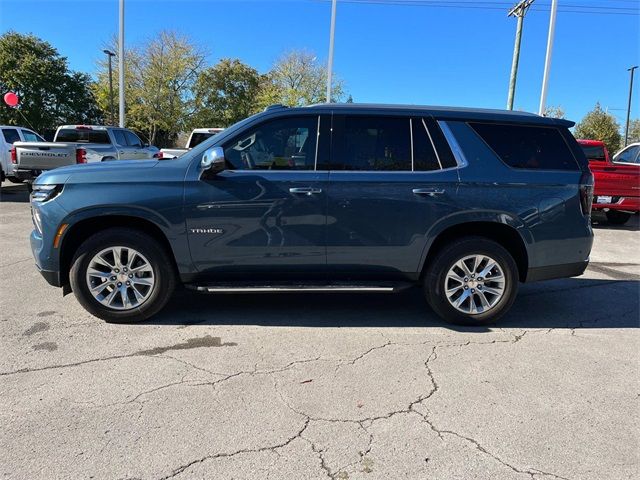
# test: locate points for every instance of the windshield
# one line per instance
(82, 136)
(594, 152)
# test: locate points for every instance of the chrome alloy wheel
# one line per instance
(474, 284)
(120, 278)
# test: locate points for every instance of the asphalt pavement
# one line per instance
(343, 386)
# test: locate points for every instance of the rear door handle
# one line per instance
(305, 190)
(430, 192)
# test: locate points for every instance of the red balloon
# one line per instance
(11, 99)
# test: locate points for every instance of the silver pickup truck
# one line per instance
(79, 144)
(198, 136)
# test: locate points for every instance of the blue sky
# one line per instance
(384, 52)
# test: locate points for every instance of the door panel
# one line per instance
(379, 208)
(265, 214)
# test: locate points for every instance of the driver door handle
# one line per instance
(305, 190)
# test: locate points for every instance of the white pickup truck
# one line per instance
(10, 134)
(79, 144)
(198, 136)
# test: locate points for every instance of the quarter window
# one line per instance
(527, 147)
(424, 154)
(281, 144)
(375, 143)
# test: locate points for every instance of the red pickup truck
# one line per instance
(617, 184)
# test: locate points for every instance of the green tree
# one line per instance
(634, 131)
(50, 94)
(159, 79)
(599, 125)
(225, 94)
(554, 112)
(298, 79)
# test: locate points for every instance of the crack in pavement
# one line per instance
(186, 466)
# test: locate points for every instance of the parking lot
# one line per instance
(318, 386)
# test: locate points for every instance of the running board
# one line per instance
(305, 288)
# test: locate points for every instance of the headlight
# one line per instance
(44, 193)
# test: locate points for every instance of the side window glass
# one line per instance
(281, 144)
(529, 147)
(628, 155)
(132, 139)
(119, 137)
(30, 136)
(424, 154)
(10, 135)
(376, 143)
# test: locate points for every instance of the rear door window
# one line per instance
(119, 137)
(132, 139)
(630, 155)
(375, 143)
(528, 147)
(10, 135)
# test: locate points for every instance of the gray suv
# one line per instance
(464, 203)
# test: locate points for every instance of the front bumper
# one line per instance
(52, 278)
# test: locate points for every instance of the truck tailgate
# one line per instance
(615, 179)
(44, 155)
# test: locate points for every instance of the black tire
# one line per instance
(163, 272)
(29, 187)
(615, 217)
(108, 159)
(435, 278)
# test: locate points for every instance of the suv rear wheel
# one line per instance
(472, 281)
(122, 275)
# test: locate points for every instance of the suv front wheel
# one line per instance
(472, 281)
(122, 275)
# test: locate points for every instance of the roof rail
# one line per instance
(275, 106)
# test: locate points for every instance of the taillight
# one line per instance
(14, 156)
(159, 155)
(81, 155)
(586, 192)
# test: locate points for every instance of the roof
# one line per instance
(452, 113)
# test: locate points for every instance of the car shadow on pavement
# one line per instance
(11, 192)
(599, 222)
(566, 303)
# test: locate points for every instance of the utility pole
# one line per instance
(121, 65)
(518, 11)
(626, 128)
(332, 34)
(109, 55)
(547, 60)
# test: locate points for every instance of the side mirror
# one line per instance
(213, 159)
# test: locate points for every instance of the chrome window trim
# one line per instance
(432, 144)
(413, 169)
(315, 162)
(457, 151)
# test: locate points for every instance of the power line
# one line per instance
(569, 8)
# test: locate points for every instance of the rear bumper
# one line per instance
(556, 271)
(28, 175)
(627, 204)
